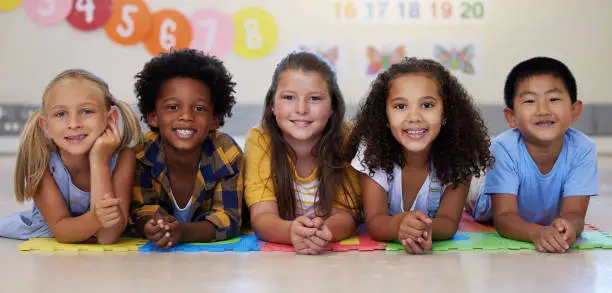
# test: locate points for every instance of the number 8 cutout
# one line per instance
(88, 15)
(47, 12)
(213, 32)
(130, 22)
(170, 29)
(256, 33)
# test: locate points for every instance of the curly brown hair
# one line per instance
(460, 150)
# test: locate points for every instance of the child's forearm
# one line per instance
(341, 225)
(76, 229)
(383, 227)
(514, 227)
(203, 231)
(272, 228)
(443, 228)
(101, 183)
(576, 219)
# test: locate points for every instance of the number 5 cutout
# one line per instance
(130, 22)
(47, 12)
(170, 29)
(213, 32)
(88, 15)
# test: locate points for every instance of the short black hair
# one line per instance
(539, 66)
(189, 63)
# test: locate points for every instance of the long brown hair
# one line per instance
(35, 150)
(328, 151)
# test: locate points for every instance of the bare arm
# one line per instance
(380, 225)
(119, 186)
(446, 222)
(341, 224)
(507, 220)
(573, 209)
(65, 228)
(268, 225)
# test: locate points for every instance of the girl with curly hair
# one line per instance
(418, 140)
(299, 189)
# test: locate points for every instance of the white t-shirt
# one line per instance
(427, 199)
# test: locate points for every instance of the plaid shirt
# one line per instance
(218, 190)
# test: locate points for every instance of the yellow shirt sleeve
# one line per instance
(258, 185)
(349, 198)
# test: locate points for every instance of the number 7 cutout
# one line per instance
(169, 30)
(212, 31)
(89, 15)
(130, 22)
(47, 12)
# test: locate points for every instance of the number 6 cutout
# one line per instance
(88, 15)
(130, 22)
(170, 29)
(47, 12)
(213, 32)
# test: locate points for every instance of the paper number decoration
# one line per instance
(47, 12)
(256, 33)
(212, 31)
(8, 5)
(169, 30)
(88, 15)
(130, 22)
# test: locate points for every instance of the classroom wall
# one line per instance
(577, 32)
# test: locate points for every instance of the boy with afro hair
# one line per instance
(188, 185)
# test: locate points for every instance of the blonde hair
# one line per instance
(35, 149)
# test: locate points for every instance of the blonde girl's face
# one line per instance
(415, 112)
(302, 105)
(75, 115)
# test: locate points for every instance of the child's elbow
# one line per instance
(107, 240)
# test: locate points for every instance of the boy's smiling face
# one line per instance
(543, 110)
(184, 114)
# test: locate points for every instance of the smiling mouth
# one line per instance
(301, 123)
(184, 133)
(546, 123)
(75, 138)
(416, 133)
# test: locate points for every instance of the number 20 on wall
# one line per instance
(409, 10)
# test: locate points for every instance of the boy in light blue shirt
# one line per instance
(544, 173)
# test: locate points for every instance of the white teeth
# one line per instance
(301, 123)
(415, 132)
(184, 132)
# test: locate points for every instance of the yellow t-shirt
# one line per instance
(259, 186)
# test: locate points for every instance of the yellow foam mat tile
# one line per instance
(51, 245)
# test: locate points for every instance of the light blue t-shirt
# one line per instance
(540, 196)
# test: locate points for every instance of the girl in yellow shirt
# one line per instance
(298, 188)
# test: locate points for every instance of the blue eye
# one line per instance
(60, 114)
(87, 111)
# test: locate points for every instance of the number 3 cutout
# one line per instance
(130, 22)
(213, 32)
(88, 15)
(47, 12)
(170, 29)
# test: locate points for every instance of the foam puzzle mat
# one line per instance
(51, 245)
(359, 243)
(242, 243)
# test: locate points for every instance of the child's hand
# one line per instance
(107, 211)
(566, 229)
(154, 229)
(163, 232)
(549, 239)
(322, 235)
(173, 232)
(107, 143)
(414, 230)
(302, 229)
